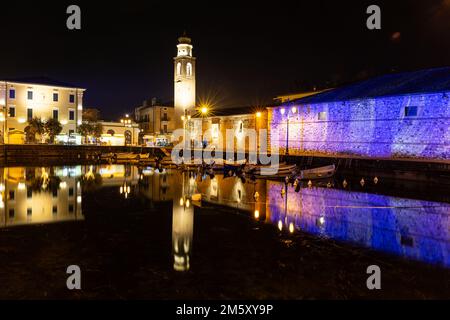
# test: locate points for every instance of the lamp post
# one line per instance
(127, 124)
(258, 116)
(204, 112)
(293, 110)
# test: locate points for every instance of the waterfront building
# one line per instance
(239, 120)
(120, 133)
(156, 121)
(24, 99)
(402, 115)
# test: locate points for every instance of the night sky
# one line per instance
(246, 53)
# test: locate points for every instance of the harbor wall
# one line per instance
(409, 126)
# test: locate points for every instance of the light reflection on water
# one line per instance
(414, 229)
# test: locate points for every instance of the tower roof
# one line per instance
(184, 39)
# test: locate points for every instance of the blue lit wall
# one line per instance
(373, 127)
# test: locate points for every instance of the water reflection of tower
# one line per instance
(183, 222)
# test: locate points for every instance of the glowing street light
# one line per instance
(258, 114)
(204, 110)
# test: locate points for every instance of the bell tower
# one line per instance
(184, 79)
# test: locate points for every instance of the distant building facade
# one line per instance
(156, 121)
(237, 120)
(405, 115)
(119, 133)
(24, 99)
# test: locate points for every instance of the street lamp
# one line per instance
(127, 123)
(258, 115)
(283, 111)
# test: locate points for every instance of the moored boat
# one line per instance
(317, 173)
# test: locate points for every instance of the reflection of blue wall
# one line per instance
(374, 127)
(376, 221)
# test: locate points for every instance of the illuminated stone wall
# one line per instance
(375, 127)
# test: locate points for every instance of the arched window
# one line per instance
(179, 68)
(110, 131)
(189, 69)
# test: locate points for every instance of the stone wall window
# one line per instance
(12, 112)
(12, 93)
(179, 68)
(30, 95)
(322, 115)
(410, 111)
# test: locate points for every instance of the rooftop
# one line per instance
(43, 81)
(421, 81)
(235, 111)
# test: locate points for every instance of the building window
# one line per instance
(29, 211)
(165, 128)
(12, 93)
(11, 213)
(410, 111)
(70, 192)
(11, 195)
(55, 97)
(71, 98)
(322, 115)
(55, 114)
(70, 208)
(54, 209)
(30, 95)
(179, 68)
(71, 114)
(241, 127)
(29, 193)
(29, 113)
(189, 69)
(12, 112)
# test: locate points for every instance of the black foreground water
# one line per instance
(140, 233)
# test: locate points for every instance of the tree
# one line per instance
(52, 127)
(91, 114)
(35, 126)
(85, 130)
(97, 130)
